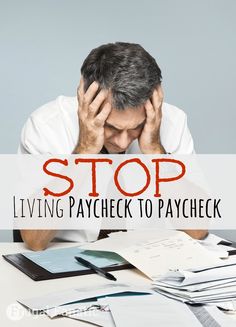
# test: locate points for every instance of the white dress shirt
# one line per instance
(54, 129)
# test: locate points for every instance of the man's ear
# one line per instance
(160, 91)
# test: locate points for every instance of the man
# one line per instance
(119, 109)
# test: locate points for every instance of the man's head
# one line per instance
(130, 74)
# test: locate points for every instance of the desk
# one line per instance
(15, 285)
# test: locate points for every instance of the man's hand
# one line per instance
(149, 140)
(91, 118)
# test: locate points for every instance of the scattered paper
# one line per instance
(55, 300)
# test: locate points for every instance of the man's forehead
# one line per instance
(126, 118)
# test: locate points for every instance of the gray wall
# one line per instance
(43, 44)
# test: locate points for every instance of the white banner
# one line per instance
(118, 191)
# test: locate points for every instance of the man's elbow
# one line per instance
(33, 243)
(197, 233)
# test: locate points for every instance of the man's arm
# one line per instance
(150, 141)
(91, 138)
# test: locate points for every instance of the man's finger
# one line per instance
(103, 115)
(89, 96)
(157, 98)
(95, 105)
(80, 91)
(150, 112)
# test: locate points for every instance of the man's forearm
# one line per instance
(37, 240)
(198, 234)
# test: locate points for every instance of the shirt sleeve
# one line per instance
(186, 145)
(33, 138)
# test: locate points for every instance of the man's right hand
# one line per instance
(92, 114)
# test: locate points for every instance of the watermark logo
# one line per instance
(15, 312)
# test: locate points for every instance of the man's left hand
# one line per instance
(149, 140)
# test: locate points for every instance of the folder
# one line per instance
(37, 272)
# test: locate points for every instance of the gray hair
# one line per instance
(128, 71)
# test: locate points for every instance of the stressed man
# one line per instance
(119, 108)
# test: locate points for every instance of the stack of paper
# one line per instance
(211, 285)
(182, 268)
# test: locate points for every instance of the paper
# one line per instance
(197, 286)
(203, 294)
(209, 300)
(98, 318)
(156, 255)
(182, 277)
(117, 241)
(213, 243)
(151, 311)
(91, 312)
(62, 260)
(54, 300)
(213, 239)
(210, 286)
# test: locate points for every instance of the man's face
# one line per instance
(122, 127)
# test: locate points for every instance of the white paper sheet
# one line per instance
(91, 312)
(119, 240)
(103, 319)
(151, 311)
(214, 293)
(154, 256)
(56, 299)
(183, 277)
(213, 239)
(199, 286)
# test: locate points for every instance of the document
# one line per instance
(55, 300)
(156, 255)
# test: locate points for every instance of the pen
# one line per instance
(98, 270)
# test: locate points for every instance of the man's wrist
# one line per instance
(157, 149)
(80, 150)
(160, 149)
